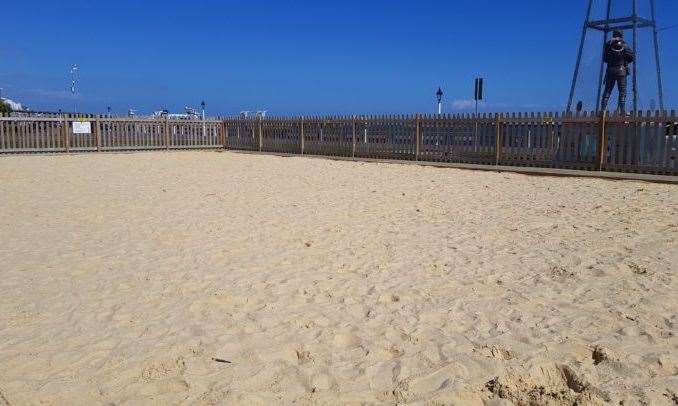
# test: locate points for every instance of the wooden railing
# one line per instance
(49, 134)
(643, 143)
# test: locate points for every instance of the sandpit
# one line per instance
(225, 278)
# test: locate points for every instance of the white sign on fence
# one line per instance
(82, 127)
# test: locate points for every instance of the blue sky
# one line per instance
(308, 57)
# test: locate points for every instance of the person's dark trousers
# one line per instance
(610, 82)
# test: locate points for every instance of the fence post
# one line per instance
(167, 134)
(417, 138)
(227, 135)
(498, 140)
(261, 136)
(97, 135)
(224, 133)
(301, 135)
(2, 133)
(9, 133)
(602, 140)
(354, 140)
(66, 135)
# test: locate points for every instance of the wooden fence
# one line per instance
(644, 143)
(51, 134)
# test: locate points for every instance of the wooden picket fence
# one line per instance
(54, 134)
(642, 143)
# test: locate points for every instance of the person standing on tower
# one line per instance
(617, 55)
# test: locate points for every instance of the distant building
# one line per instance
(190, 114)
(14, 105)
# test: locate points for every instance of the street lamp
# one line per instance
(74, 78)
(439, 96)
(204, 127)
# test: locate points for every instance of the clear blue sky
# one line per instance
(306, 57)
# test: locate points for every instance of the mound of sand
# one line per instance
(222, 278)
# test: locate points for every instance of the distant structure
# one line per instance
(479, 91)
(74, 82)
(633, 22)
(439, 98)
(190, 114)
(15, 106)
(257, 114)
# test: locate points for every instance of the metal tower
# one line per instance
(634, 22)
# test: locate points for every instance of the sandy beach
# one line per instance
(222, 278)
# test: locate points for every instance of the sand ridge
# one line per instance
(125, 275)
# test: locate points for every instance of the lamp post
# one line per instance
(439, 96)
(204, 127)
(74, 78)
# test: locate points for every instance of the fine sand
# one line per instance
(127, 279)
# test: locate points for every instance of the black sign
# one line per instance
(479, 89)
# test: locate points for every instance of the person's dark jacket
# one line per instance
(618, 56)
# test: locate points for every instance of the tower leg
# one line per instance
(579, 54)
(635, 64)
(660, 89)
(602, 62)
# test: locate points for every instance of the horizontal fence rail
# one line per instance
(641, 143)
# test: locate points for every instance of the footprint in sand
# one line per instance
(346, 340)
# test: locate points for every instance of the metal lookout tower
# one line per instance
(634, 22)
